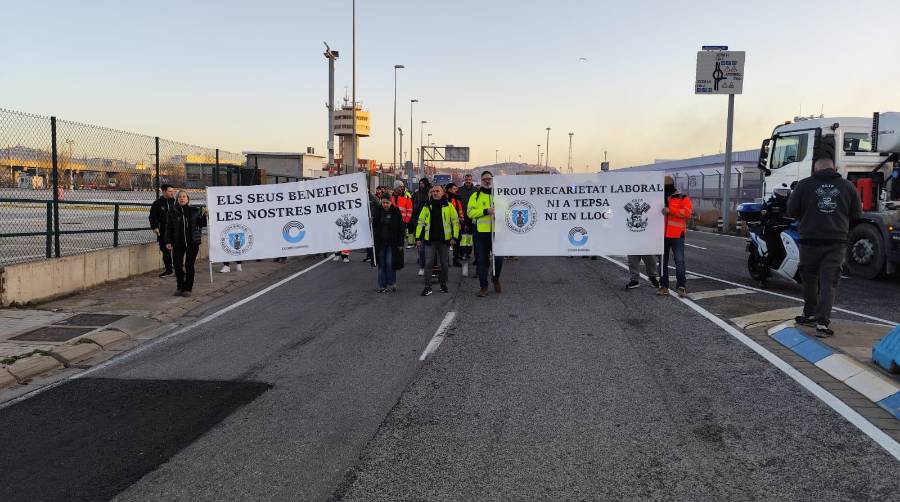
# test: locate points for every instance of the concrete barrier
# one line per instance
(39, 281)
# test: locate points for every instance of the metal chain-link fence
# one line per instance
(67, 187)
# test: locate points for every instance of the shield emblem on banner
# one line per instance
(520, 217)
(237, 239)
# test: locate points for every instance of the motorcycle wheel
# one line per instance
(754, 267)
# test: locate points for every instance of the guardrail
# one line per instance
(52, 233)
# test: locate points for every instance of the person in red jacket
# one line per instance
(402, 201)
(677, 211)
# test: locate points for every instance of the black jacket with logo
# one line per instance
(159, 211)
(826, 204)
(183, 228)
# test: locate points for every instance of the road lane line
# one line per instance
(439, 336)
(751, 288)
(716, 234)
(156, 341)
(718, 293)
(866, 427)
(767, 316)
(865, 316)
(697, 247)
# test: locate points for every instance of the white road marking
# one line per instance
(439, 336)
(718, 293)
(767, 316)
(780, 295)
(714, 234)
(137, 350)
(696, 247)
(866, 427)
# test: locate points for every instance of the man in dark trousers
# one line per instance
(826, 205)
(159, 214)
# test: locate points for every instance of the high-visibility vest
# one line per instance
(449, 219)
(478, 202)
(459, 208)
(405, 206)
(680, 209)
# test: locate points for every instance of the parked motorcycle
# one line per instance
(774, 242)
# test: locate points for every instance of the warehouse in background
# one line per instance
(701, 178)
(283, 167)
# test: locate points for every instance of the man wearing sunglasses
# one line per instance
(481, 212)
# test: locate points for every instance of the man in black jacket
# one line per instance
(826, 205)
(159, 214)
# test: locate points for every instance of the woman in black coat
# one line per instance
(182, 238)
(387, 225)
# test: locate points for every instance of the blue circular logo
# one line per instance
(578, 236)
(293, 232)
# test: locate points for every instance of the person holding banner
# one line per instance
(183, 237)
(387, 225)
(437, 228)
(677, 210)
(481, 212)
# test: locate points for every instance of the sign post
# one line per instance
(720, 71)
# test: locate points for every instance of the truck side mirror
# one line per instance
(764, 157)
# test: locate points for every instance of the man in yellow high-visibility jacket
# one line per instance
(481, 212)
(437, 229)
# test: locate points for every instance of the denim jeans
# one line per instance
(483, 248)
(676, 246)
(387, 276)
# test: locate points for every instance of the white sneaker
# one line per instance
(346, 259)
(225, 269)
(465, 270)
(238, 267)
(421, 271)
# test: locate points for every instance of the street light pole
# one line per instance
(396, 67)
(495, 156)
(353, 142)
(539, 156)
(411, 131)
(331, 56)
(401, 147)
(547, 150)
(421, 146)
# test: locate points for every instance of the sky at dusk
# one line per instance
(489, 75)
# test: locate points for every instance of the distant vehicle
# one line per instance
(870, 162)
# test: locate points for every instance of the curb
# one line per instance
(6, 378)
(24, 369)
(866, 381)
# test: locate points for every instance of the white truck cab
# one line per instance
(787, 157)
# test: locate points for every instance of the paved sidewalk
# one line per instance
(50, 336)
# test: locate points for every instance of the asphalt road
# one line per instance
(564, 387)
(725, 257)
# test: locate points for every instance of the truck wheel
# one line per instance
(865, 252)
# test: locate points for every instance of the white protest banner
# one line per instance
(605, 213)
(288, 219)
